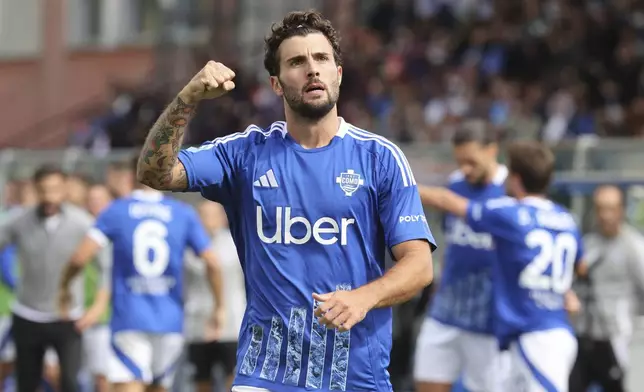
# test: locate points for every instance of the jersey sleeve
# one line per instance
(495, 216)
(401, 211)
(211, 168)
(7, 263)
(198, 239)
(580, 248)
(105, 226)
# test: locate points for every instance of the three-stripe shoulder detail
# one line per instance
(406, 173)
(251, 130)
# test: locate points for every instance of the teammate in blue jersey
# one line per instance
(456, 339)
(149, 235)
(538, 249)
(314, 204)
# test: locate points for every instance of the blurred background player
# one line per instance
(206, 350)
(457, 337)
(96, 337)
(119, 178)
(539, 249)
(316, 203)
(45, 237)
(149, 234)
(23, 197)
(609, 294)
(77, 186)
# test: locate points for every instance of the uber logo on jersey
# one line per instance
(299, 230)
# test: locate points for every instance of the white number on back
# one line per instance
(558, 251)
(151, 252)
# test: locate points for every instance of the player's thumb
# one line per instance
(322, 297)
(228, 85)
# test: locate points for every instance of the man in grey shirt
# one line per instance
(45, 237)
(614, 254)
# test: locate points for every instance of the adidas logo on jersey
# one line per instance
(325, 230)
(268, 180)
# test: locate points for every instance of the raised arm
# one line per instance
(443, 199)
(159, 166)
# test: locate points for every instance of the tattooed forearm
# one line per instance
(158, 165)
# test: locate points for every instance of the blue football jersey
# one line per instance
(464, 295)
(310, 221)
(149, 235)
(538, 245)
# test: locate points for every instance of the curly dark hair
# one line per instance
(298, 23)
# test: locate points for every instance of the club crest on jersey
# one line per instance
(349, 182)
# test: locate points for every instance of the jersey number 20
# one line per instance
(557, 251)
(151, 250)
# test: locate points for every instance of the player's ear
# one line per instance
(340, 75)
(277, 86)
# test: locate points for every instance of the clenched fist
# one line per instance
(214, 80)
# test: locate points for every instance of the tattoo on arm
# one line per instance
(159, 166)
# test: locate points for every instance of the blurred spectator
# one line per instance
(96, 339)
(98, 197)
(615, 257)
(119, 178)
(76, 187)
(414, 69)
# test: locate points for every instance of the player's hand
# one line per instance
(89, 319)
(342, 309)
(215, 325)
(214, 80)
(64, 303)
(572, 303)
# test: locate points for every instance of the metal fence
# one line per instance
(580, 166)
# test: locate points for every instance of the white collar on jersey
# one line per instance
(147, 195)
(342, 128)
(501, 175)
(281, 126)
(538, 202)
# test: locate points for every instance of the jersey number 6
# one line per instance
(151, 250)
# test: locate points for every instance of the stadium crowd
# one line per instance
(552, 70)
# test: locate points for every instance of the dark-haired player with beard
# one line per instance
(314, 203)
(456, 340)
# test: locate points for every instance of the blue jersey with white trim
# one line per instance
(464, 295)
(310, 221)
(538, 245)
(149, 235)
